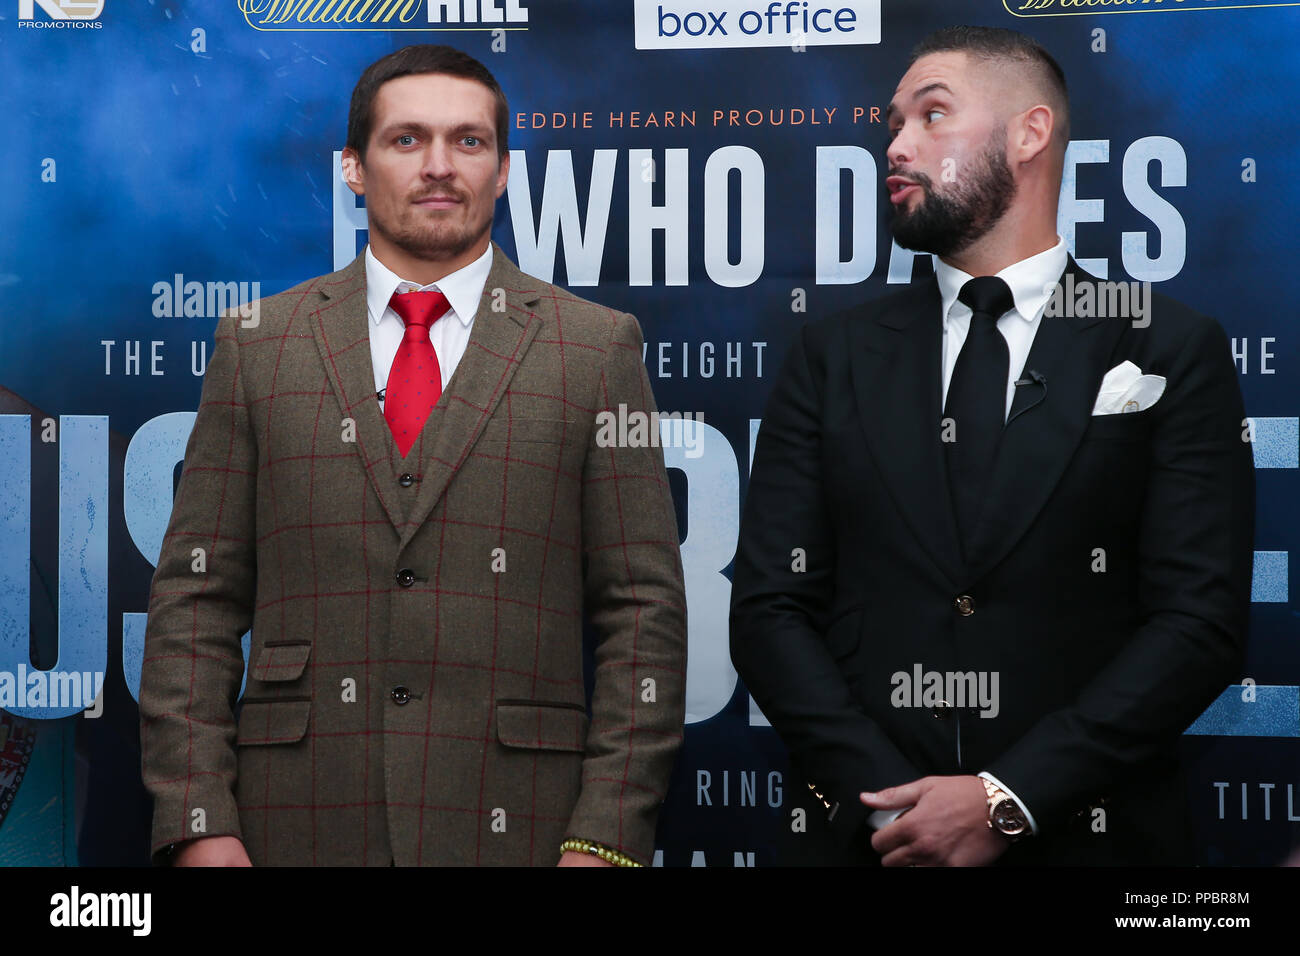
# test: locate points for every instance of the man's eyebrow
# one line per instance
(411, 125)
(891, 109)
(474, 127)
(930, 88)
(415, 126)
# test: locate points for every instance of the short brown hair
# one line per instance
(415, 59)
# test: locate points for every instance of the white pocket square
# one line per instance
(1126, 389)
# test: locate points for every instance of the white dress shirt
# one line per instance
(1031, 281)
(449, 335)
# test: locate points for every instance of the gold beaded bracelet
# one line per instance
(604, 852)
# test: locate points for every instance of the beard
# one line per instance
(430, 238)
(948, 221)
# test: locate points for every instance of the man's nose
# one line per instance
(438, 160)
(900, 151)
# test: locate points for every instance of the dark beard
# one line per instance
(945, 223)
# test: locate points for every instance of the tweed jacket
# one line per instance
(415, 692)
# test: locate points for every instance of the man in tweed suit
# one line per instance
(416, 589)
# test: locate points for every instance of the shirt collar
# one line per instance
(463, 288)
(1031, 281)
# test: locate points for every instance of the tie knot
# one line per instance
(420, 308)
(988, 295)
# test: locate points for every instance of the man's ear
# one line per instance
(353, 174)
(503, 173)
(1036, 128)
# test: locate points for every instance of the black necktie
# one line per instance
(977, 401)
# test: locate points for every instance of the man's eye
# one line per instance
(406, 139)
(929, 113)
(471, 141)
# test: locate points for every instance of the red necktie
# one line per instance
(415, 380)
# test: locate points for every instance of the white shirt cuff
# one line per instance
(1033, 827)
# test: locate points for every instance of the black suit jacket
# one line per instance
(1099, 671)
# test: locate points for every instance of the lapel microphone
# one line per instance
(1032, 377)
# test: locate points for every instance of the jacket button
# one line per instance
(942, 710)
(406, 479)
(406, 577)
(401, 694)
(965, 605)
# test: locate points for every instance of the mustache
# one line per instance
(921, 179)
(440, 194)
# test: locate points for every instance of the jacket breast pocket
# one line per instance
(542, 725)
(502, 428)
(1121, 426)
(280, 721)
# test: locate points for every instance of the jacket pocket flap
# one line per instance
(280, 662)
(540, 725)
(272, 722)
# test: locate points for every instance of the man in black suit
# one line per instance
(996, 549)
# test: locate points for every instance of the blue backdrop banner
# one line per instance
(715, 167)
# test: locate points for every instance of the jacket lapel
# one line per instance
(341, 329)
(897, 380)
(498, 340)
(1044, 427)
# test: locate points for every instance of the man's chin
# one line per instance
(438, 246)
(914, 243)
(912, 239)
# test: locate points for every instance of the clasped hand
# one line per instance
(947, 824)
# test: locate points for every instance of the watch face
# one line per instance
(1008, 817)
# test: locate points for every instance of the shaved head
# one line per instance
(1016, 68)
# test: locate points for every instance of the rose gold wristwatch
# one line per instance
(1005, 814)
